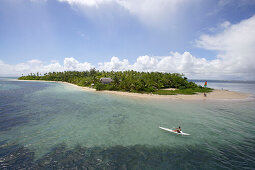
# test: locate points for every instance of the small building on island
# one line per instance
(105, 80)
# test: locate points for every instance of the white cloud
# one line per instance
(71, 64)
(34, 66)
(191, 66)
(146, 10)
(225, 24)
(90, 3)
(115, 64)
(145, 63)
(235, 60)
(235, 45)
(151, 9)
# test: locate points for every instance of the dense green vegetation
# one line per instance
(130, 81)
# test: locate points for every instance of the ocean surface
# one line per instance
(47, 125)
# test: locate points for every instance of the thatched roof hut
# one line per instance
(105, 80)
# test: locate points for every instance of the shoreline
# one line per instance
(216, 94)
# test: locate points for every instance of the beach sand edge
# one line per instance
(216, 94)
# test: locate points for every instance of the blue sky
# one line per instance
(193, 37)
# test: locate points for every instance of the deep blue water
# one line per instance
(47, 125)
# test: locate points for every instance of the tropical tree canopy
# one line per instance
(131, 81)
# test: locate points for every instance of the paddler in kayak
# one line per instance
(178, 130)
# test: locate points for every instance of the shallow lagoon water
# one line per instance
(53, 125)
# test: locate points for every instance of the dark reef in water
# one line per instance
(120, 157)
(19, 106)
(12, 104)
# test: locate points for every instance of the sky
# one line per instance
(203, 39)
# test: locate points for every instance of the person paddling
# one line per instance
(178, 130)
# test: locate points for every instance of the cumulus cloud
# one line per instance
(34, 66)
(145, 63)
(175, 63)
(191, 66)
(115, 64)
(235, 46)
(71, 64)
(155, 10)
(235, 60)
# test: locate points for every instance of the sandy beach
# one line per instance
(215, 95)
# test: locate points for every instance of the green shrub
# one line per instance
(100, 86)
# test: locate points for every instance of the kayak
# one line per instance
(170, 130)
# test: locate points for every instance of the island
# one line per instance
(125, 81)
(137, 84)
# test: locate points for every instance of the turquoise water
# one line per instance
(53, 125)
(238, 86)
